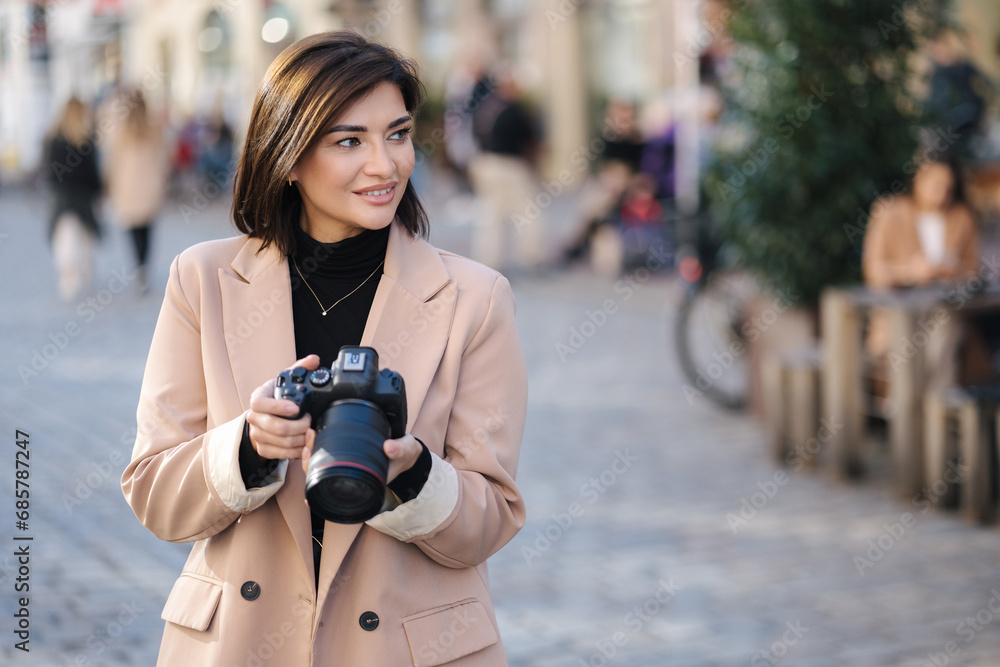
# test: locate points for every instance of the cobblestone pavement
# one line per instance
(631, 555)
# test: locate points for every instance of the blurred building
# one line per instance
(196, 58)
(48, 51)
(199, 58)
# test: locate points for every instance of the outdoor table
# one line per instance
(923, 322)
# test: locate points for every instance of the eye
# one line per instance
(401, 134)
(349, 142)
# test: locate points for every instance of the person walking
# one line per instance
(138, 173)
(332, 253)
(505, 178)
(76, 185)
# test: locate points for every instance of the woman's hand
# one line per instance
(402, 453)
(271, 434)
(920, 271)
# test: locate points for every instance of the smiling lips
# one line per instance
(378, 194)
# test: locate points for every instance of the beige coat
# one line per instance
(892, 241)
(446, 324)
(137, 177)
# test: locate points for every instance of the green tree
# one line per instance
(821, 119)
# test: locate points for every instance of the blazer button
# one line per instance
(250, 590)
(369, 621)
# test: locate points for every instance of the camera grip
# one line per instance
(290, 388)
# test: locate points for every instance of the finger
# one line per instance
(308, 449)
(267, 404)
(309, 362)
(306, 455)
(290, 434)
(289, 448)
(402, 448)
(278, 426)
(262, 400)
(266, 389)
(402, 453)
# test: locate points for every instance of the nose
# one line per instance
(379, 163)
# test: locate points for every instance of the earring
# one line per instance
(289, 180)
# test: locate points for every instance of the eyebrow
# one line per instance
(361, 128)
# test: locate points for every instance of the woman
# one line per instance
(76, 185)
(138, 172)
(926, 236)
(332, 255)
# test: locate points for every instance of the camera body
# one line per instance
(354, 408)
(354, 375)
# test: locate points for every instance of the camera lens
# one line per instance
(345, 480)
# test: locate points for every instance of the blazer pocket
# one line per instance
(438, 636)
(192, 601)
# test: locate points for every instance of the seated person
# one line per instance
(918, 238)
(927, 235)
(643, 222)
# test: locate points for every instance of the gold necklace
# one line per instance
(327, 310)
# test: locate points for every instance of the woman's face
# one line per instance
(932, 186)
(354, 175)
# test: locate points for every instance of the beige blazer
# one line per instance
(247, 594)
(892, 239)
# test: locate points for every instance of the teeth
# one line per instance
(379, 192)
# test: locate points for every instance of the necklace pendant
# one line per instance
(324, 313)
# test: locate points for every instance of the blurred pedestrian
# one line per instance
(138, 172)
(928, 235)
(333, 253)
(601, 195)
(466, 87)
(643, 223)
(957, 100)
(215, 160)
(184, 156)
(76, 185)
(504, 177)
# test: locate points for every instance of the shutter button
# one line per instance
(250, 590)
(369, 621)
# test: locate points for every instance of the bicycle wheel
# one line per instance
(711, 347)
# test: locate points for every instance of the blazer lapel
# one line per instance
(257, 317)
(408, 326)
(411, 315)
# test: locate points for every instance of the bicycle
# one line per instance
(711, 330)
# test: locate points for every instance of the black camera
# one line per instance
(355, 408)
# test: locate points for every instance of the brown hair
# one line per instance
(138, 125)
(310, 84)
(73, 124)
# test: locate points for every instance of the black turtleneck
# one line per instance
(349, 270)
(334, 270)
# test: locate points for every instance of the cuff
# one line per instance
(222, 452)
(422, 515)
(409, 483)
(254, 470)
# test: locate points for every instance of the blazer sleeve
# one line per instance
(882, 263)
(184, 482)
(876, 262)
(470, 506)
